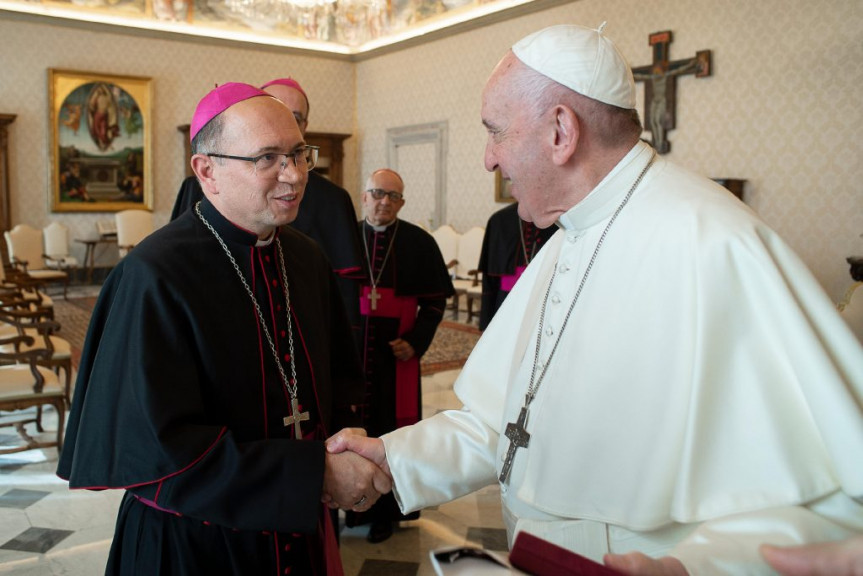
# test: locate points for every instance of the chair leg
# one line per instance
(61, 422)
(67, 372)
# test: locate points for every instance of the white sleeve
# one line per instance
(441, 458)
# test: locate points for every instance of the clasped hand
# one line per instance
(355, 471)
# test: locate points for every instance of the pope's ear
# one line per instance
(202, 166)
(566, 132)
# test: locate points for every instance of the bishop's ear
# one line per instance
(202, 166)
(566, 132)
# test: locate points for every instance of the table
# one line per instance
(90, 251)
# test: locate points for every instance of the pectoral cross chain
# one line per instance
(295, 418)
(518, 438)
(374, 297)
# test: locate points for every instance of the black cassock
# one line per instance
(413, 269)
(506, 248)
(179, 401)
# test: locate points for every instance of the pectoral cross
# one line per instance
(374, 297)
(295, 418)
(518, 438)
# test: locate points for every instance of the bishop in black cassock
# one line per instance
(180, 398)
(508, 246)
(402, 300)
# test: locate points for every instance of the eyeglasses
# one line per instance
(272, 164)
(378, 194)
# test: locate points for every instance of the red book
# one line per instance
(542, 558)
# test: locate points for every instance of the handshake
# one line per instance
(356, 472)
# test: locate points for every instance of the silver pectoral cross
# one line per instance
(518, 438)
(295, 418)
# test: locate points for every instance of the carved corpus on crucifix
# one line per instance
(660, 86)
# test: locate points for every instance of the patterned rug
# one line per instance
(74, 317)
(449, 350)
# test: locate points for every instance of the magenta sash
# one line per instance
(407, 372)
(507, 283)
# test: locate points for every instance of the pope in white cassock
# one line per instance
(666, 377)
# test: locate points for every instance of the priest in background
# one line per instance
(401, 303)
(667, 387)
(508, 246)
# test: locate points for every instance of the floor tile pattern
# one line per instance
(48, 530)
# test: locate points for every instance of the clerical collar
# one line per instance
(229, 231)
(266, 241)
(603, 200)
(380, 228)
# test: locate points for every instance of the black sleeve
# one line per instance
(430, 314)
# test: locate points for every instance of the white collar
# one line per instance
(603, 200)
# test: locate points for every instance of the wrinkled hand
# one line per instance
(351, 481)
(402, 349)
(636, 563)
(355, 440)
(842, 558)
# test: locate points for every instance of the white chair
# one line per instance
(467, 275)
(27, 253)
(132, 227)
(851, 309)
(57, 255)
(447, 242)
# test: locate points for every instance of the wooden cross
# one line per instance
(295, 418)
(660, 86)
(518, 438)
(374, 297)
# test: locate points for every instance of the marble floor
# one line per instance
(47, 530)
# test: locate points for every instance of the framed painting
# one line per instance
(502, 192)
(101, 151)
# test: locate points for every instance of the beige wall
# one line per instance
(182, 73)
(782, 109)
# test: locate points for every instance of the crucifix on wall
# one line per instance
(660, 86)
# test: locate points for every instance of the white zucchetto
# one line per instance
(583, 60)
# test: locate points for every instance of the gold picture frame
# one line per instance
(502, 190)
(101, 144)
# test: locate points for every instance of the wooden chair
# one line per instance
(851, 309)
(16, 320)
(18, 285)
(446, 239)
(467, 274)
(24, 384)
(132, 227)
(27, 253)
(474, 295)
